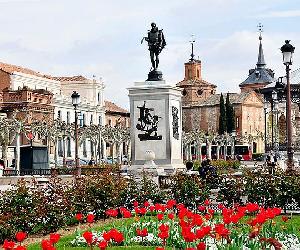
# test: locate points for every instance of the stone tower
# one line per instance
(195, 89)
(260, 76)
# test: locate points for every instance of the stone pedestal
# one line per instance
(156, 125)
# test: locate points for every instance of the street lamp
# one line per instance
(75, 101)
(287, 52)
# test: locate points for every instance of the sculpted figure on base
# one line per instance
(156, 43)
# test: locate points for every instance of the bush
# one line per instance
(189, 190)
(142, 191)
(226, 164)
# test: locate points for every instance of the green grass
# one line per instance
(291, 226)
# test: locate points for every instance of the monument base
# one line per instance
(155, 75)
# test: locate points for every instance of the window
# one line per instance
(59, 115)
(198, 73)
(237, 122)
(189, 73)
(92, 150)
(84, 148)
(69, 147)
(109, 122)
(91, 121)
(60, 148)
(82, 120)
(99, 97)
(100, 120)
(68, 117)
(184, 92)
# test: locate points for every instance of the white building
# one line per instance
(91, 108)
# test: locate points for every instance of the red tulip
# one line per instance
(171, 204)
(135, 203)
(163, 235)
(206, 202)
(152, 208)
(146, 204)
(171, 216)
(126, 214)
(284, 218)
(201, 246)
(79, 217)
(90, 218)
(8, 245)
(20, 236)
(221, 230)
(159, 248)
(47, 245)
(54, 238)
(112, 212)
(118, 237)
(163, 227)
(106, 236)
(143, 210)
(102, 244)
(160, 216)
(142, 233)
(211, 211)
(191, 248)
(88, 236)
(201, 208)
(20, 248)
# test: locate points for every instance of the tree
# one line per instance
(222, 119)
(230, 116)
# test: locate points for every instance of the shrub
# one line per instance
(189, 189)
(144, 190)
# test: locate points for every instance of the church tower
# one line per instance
(260, 76)
(195, 89)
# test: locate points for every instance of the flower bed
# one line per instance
(162, 225)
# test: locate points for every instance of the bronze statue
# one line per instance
(156, 43)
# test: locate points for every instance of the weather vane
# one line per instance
(260, 30)
(192, 41)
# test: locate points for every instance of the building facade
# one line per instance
(117, 117)
(201, 104)
(45, 98)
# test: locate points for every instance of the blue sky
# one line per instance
(102, 38)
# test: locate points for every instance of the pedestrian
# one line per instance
(2, 164)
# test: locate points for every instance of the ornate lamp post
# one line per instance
(75, 101)
(287, 51)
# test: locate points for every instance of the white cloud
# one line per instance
(281, 14)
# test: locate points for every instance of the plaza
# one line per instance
(183, 133)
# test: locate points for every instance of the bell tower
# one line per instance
(195, 89)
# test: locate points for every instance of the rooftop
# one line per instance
(114, 108)
(10, 68)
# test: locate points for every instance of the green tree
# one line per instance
(222, 119)
(230, 115)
